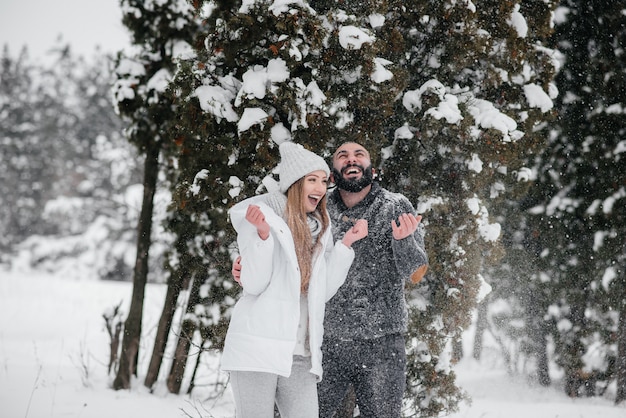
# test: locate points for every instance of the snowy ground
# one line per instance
(54, 355)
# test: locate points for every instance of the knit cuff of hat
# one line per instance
(296, 162)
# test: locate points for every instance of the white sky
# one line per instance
(84, 24)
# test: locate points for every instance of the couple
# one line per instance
(291, 267)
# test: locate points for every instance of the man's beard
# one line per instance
(353, 185)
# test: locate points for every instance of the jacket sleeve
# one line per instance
(338, 261)
(256, 259)
(409, 253)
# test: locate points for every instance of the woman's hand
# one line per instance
(236, 269)
(256, 218)
(357, 232)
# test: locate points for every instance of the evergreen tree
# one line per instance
(95, 170)
(445, 96)
(59, 139)
(478, 93)
(225, 153)
(17, 93)
(34, 119)
(160, 30)
(577, 214)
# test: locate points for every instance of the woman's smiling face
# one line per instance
(314, 189)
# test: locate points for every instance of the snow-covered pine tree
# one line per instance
(514, 70)
(579, 212)
(445, 96)
(247, 88)
(26, 176)
(161, 31)
(470, 117)
(39, 144)
(59, 185)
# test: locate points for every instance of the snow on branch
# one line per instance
(518, 22)
(251, 116)
(259, 79)
(200, 175)
(380, 73)
(537, 97)
(277, 7)
(128, 73)
(485, 114)
(351, 37)
(217, 101)
(489, 232)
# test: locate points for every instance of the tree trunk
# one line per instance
(481, 326)
(132, 326)
(541, 354)
(179, 363)
(621, 355)
(165, 324)
(574, 378)
(538, 333)
(192, 382)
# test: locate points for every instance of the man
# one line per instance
(366, 321)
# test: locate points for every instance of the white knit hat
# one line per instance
(296, 162)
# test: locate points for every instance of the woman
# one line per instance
(290, 269)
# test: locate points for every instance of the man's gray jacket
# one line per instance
(371, 303)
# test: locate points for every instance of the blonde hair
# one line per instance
(303, 240)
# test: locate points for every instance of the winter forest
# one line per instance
(503, 121)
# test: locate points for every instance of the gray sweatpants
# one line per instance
(256, 392)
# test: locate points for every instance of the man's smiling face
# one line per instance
(352, 167)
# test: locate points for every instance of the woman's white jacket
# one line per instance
(262, 332)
